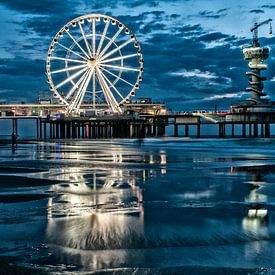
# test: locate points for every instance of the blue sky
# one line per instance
(192, 49)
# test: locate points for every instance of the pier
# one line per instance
(140, 121)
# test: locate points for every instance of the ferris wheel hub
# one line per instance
(92, 62)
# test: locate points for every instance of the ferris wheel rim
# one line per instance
(103, 57)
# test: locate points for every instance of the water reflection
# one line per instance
(120, 204)
(255, 223)
(100, 207)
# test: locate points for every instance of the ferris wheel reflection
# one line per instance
(100, 207)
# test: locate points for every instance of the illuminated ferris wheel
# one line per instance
(94, 59)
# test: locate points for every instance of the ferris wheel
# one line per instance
(94, 59)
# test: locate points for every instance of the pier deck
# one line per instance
(143, 120)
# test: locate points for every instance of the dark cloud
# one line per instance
(268, 6)
(137, 3)
(214, 36)
(175, 16)
(257, 11)
(152, 26)
(222, 10)
(39, 7)
(213, 14)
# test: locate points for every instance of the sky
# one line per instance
(192, 49)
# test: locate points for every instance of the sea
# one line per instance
(138, 206)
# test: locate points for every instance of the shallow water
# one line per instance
(79, 206)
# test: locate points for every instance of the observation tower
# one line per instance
(256, 55)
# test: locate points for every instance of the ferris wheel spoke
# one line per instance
(120, 68)
(68, 69)
(79, 93)
(75, 86)
(77, 44)
(85, 39)
(84, 89)
(119, 58)
(112, 85)
(94, 89)
(93, 30)
(70, 50)
(103, 89)
(71, 78)
(108, 93)
(119, 77)
(103, 37)
(117, 49)
(110, 42)
(69, 59)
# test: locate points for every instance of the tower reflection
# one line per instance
(99, 207)
(255, 223)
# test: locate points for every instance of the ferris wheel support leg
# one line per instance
(108, 94)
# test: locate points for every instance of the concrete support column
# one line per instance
(222, 133)
(57, 126)
(132, 130)
(62, 129)
(255, 128)
(244, 130)
(45, 130)
(14, 126)
(154, 129)
(40, 128)
(90, 130)
(105, 129)
(94, 130)
(198, 130)
(51, 130)
(267, 130)
(262, 130)
(54, 130)
(250, 130)
(176, 130)
(98, 130)
(83, 130)
(78, 130)
(68, 130)
(186, 130)
(37, 128)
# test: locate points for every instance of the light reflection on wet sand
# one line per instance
(123, 204)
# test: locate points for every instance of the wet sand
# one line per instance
(166, 206)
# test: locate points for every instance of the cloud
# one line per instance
(257, 11)
(196, 73)
(209, 78)
(39, 7)
(213, 14)
(268, 6)
(229, 95)
(214, 36)
(137, 3)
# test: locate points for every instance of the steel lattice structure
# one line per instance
(94, 59)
